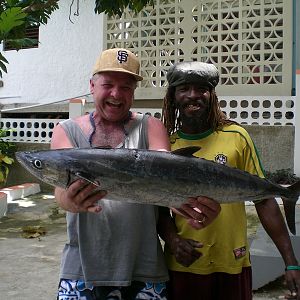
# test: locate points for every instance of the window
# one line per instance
(30, 33)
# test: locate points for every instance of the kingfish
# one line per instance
(155, 177)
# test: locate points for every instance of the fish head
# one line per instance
(46, 166)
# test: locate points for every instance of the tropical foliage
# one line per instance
(7, 150)
(118, 6)
(282, 176)
(18, 15)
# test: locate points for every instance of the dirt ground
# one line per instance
(32, 236)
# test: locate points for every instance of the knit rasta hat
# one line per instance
(193, 72)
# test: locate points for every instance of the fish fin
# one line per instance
(84, 177)
(188, 151)
(289, 205)
(289, 210)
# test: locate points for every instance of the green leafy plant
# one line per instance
(10, 18)
(118, 7)
(282, 176)
(18, 15)
(7, 150)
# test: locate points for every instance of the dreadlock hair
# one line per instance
(171, 118)
(170, 115)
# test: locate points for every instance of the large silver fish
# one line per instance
(155, 177)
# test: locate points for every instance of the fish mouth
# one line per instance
(22, 158)
(35, 165)
(31, 164)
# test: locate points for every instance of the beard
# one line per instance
(195, 121)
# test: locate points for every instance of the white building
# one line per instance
(60, 67)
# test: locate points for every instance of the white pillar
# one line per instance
(297, 126)
(76, 107)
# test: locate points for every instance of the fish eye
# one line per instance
(37, 163)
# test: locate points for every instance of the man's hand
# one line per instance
(200, 211)
(80, 196)
(292, 278)
(184, 250)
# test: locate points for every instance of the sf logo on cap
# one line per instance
(122, 56)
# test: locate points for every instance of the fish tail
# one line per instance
(289, 210)
(289, 205)
(295, 189)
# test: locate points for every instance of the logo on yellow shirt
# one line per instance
(221, 159)
(240, 252)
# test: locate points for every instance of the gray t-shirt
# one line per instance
(120, 244)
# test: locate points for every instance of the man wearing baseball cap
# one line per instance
(113, 250)
(222, 270)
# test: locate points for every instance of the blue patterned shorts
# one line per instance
(77, 290)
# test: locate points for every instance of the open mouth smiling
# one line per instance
(115, 104)
(192, 106)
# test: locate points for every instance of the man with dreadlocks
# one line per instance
(221, 268)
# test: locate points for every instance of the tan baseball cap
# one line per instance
(118, 60)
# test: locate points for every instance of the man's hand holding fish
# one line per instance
(81, 196)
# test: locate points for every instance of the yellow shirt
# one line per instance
(225, 240)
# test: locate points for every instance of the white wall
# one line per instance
(60, 68)
(297, 127)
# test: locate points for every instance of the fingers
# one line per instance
(194, 217)
(205, 205)
(185, 211)
(76, 187)
(83, 197)
(293, 283)
(94, 209)
(200, 211)
(292, 295)
(185, 250)
(197, 224)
